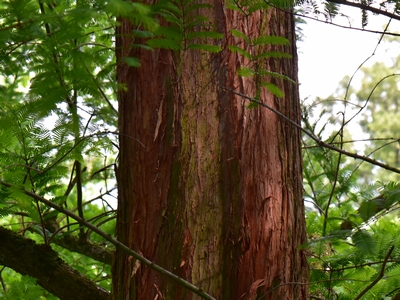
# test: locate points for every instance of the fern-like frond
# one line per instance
(205, 47)
(273, 89)
(241, 35)
(272, 54)
(164, 44)
(271, 40)
(204, 35)
(246, 72)
(237, 49)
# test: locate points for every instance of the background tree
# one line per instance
(378, 95)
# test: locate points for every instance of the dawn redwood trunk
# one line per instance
(209, 189)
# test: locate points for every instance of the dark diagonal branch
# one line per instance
(116, 243)
(367, 7)
(43, 263)
(84, 247)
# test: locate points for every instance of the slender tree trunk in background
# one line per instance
(209, 189)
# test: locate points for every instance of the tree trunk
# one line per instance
(210, 189)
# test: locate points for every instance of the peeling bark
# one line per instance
(41, 262)
(209, 189)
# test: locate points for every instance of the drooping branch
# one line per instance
(41, 262)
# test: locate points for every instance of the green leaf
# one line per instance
(171, 33)
(252, 105)
(282, 3)
(370, 208)
(205, 47)
(233, 6)
(274, 75)
(245, 72)
(171, 18)
(241, 51)
(273, 54)
(204, 35)
(164, 44)
(273, 89)
(132, 61)
(124, 8)
(271, 40)
(193, 7)
(239, 34)
(171, 8)
(196, 21)
(364, 242)
(133, 46)
(144, 34)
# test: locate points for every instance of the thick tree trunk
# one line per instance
(209, 189)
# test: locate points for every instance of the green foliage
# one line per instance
(351, 226)
(327, 9)
(24, 288)
(362, 207)
(58, 111)
(184, 26)
(256, 51)
(259, 49)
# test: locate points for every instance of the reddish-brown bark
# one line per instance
(209, 189)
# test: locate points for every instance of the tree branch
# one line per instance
(346, 27)
(41, 262)
(115, 242)
(367, 7)
(84, 247)
(313, 137)
(379, 277)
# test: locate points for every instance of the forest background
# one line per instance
(352, 205)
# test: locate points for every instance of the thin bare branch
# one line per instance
(313, 137)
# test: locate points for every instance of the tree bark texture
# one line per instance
(210, 189)
(41, 262)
